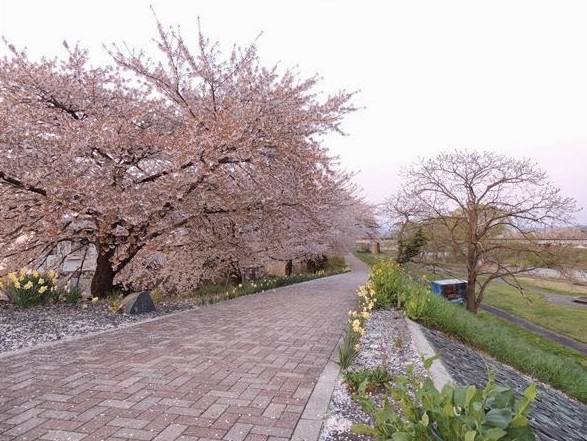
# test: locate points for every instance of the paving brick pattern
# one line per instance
(240, 370)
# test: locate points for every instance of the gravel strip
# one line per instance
(387, 342)
(29, 327)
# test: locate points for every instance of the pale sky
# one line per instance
(432, 76)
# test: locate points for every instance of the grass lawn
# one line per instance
(566, 320)
(370, 258)
(533, 339)
(561, 287)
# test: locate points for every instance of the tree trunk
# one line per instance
(103, 279)
(472, 305)
(288, 268)
(235, 275)
(472, 268)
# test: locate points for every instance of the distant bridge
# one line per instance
(576, 243)
(390, 244)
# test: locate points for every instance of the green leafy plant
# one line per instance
(157, 295)
(363, 380)
(456, 413)
(28, 288)
(351, 344)
(210, 293)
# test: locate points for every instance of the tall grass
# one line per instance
(566, 372)
(349, 348)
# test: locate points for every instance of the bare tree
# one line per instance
(167, 167)
(479, 211)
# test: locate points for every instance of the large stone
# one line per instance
(137, 303)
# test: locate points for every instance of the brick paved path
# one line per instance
(238, 370)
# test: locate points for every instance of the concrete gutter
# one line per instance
(438, 372)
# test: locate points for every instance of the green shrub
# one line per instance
(388, 280)
(457, 413)
(335, 264)
(70, 294)
(115, 299)
(417, 295)
(28, 288)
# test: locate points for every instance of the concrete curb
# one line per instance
(310, 423)
(438, 372)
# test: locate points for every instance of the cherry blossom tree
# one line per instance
(170, 168)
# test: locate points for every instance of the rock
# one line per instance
(137, 303)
